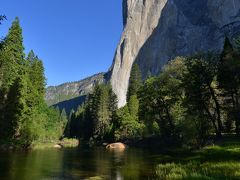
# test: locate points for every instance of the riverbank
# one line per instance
(65, 143)
(221, 160)
(218, 161)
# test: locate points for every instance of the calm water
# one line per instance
(77, 164)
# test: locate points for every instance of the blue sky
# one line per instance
(74, 38)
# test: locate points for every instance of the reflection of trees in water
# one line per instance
(75, 164)
(86, 163)
(29, 165)
(99, 162)
(5, 165)
(117, 161)
(129, 164)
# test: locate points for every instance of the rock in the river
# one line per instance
(116, 146)
(58, 146)
(156, 31)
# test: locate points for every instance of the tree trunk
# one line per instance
(218, 134)
(237, 114)
(219, 122)
(170, 121)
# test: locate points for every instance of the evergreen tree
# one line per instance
(16, 111)
(102, 114)
(2, 17)
(236, 43)
(229, 81)
(24, 116)
(135, 81)
(11, 66)
(133, 106)
(36, 73)
(13, 52)
(95, 118)
(126, 125)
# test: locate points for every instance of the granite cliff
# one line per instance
(156, 31)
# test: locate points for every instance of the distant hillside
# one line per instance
(71, 104)
(70, 95)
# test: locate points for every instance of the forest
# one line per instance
(25, 118)
(193, 101)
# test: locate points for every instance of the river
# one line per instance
(74, 163)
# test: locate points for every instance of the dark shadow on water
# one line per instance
(77, 164)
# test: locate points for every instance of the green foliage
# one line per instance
(202, 96)
(135, 81)
(36, 73)
(133, 106)
(191, 97)
(95, 118)
(229, 82)
(237, 43)
(127, 125)
(193, 170)
(220, 161)
(24, 116)
(100, 120)
(158, 97)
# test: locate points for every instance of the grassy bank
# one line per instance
(11, 146)
(219, 161)
(64, 143)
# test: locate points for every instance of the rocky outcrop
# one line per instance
(72, 90)
(156, 31)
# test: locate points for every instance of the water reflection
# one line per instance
(117, 161)
(24, 165)
(76, 164)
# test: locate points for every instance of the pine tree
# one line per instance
(133, 106)
(229, 81)
(16, 110)
(13, 52)
(135, 81)
(11, 66)
(2, 17)
(237, 43)
(102, 121)
(24, 116)
(11, 57)
(36, 73)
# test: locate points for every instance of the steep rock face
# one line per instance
(69, 91)
(156, 31)
(140, 19)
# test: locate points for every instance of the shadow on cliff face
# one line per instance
(184, 28)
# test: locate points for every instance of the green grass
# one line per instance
(67, 143)
(221, 161)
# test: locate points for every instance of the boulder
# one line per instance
(58, 146)
(116, 146)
